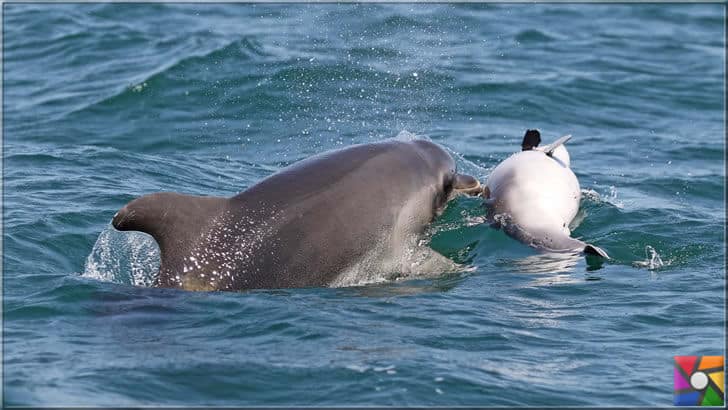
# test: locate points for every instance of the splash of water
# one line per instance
(123, 257)
(612, 198)
(405, 135)
(652, 261)
(609, 198)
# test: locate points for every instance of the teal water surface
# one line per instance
(106, 102)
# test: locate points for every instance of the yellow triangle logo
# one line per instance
(717, 378)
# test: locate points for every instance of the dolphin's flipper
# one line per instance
(590, 249)
(550, 241)
(549, 149)
(466, 184)
(567, 243)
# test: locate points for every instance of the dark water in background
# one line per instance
(103, 103)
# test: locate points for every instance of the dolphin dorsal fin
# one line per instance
(549, 149)
(174, 220)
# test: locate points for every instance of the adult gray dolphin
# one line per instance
(534, 195)
(304, 225)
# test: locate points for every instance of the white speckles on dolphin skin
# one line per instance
(230, 245)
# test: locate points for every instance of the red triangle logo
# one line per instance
(687, 363)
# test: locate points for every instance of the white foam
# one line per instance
(405, 135)
(610, 198)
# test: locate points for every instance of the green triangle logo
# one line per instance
(711, 398)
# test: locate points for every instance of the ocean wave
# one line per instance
(171, 74)
(209, 99)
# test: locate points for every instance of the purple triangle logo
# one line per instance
(680, 382)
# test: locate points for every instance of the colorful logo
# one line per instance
(699, 381)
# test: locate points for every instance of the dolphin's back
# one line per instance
(329, 211)
(301, 226)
